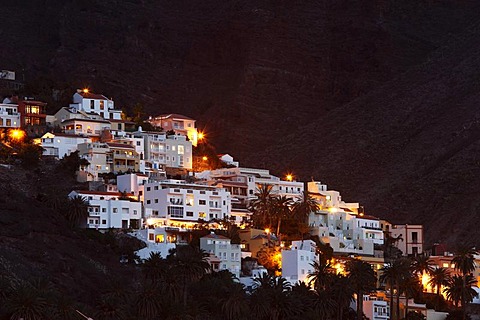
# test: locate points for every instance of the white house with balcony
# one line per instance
(160, 240)
(9, 115)
(254, 178)
(61, 144)
(375, 308)
(178, 123)
(184, 204)
(106, 210)
(297, 261)
(89, 102)
(87, 127)
(162, 150)
(228, 253)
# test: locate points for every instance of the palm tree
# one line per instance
(77, 212)
(459, 290)
(421, 265)
(439, 277)
(24, 302)
(281, 209)
(411, 287)
(262, 205)
(363, 280)
(322, 275)
(189, 264)
(342, 293)
(304, 206)
(271, 298)
(394, 273)
(464, 262)
(154, 267)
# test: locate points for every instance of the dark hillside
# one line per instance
(37, 243)
(376, 97)
(410, 149)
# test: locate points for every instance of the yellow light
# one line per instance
(333, 209)
(267, 230)
(204, 158)
(150, 221)
(201, 135)
(289, 177)
(85, 90)
(17, 134)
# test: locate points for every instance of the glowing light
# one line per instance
(85, 90)
(150, 221)
(16, 134)
(267, 230)
(204, 158)
(201, 135)
(289, 177)
(333, 210)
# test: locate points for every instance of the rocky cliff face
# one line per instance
(376, 97)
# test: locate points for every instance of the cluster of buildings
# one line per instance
(162, 211)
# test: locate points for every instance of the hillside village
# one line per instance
(161, 182)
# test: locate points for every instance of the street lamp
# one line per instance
(289, 177)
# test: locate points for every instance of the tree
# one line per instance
(464, 262)
(322, 275)
(76, 211)
(394, 273)
(154, 267)
(281, 209)
(24, 302)
(304, 206)
(30, 154)
(459, 290)
(421, 265)
(189, 264)
(342, 293)
(439, 278)
(362, 278)
(262, 206)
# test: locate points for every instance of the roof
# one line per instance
(346, 209)
(84, 120)
(365, 216)
(101, 193)
(215, 236)
(120, 145)
(173, 116)
(89, 95)
(68, 135)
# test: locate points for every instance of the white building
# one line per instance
(297, 261)
(60, 144)
(412, 238)
(83, 100)
(160, 240)
(253, 179)
(180, 124)
(343, 225)
(132, 183)
(160, 150)
(98, 155)
(185, 204)
(375, 309)
(228, 253)
(87, 127)
(9, 115)
(105, 210)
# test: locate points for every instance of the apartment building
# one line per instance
(297, 261)
(61, 144)
(229, 254)
(9, 115)
(177, 123)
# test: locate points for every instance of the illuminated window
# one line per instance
(160, 238)
(181, 150)
(202, 214)
(445, 265)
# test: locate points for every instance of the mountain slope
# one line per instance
(362, 91)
